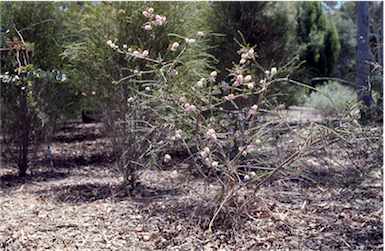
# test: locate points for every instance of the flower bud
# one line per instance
(167, 158)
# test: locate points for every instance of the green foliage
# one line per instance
(330, 98)
(268, 27)
(318, 39)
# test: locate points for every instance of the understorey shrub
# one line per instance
(240, 147)
(330, 98)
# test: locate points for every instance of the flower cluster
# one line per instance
(159, 20)
(190, 40)
(211, 136)
(139, 54)
(167, 158)
(189, 108)
(112, 45)
(178, 135)
(201, 82)
(246, 55)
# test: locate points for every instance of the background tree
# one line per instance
(362, 54)
(318, 40)
(32, 99)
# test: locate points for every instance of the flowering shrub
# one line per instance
(169, 111)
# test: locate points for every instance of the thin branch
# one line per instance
(43, 21)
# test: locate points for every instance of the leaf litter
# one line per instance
(84, 206)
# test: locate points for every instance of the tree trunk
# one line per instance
(363, 55)
(380, 51)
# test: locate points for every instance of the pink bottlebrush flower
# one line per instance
(150, 10)
(273, 71)
(200, 34)
(160, 20)
(145, 53)
(136, 54)
(190, 108)
(213, 138)
(238, 80)
(210, 132)
(174, 46)
(167, 158)
(130, 100)
(190, 41)
(146, 14)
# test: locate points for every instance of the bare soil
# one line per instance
(83, 205)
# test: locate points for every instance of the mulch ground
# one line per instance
(84, 206)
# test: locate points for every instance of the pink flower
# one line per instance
(213, 74)
(148, 89)
(250, 85)
(212, 80)
(130, 100)
(238, 80)
(148, 27)
(167, 158)
(273, 71)
(150, 10)
(174, 73)
(201, 82)
(190, 41)
(145, 53)
(160, 20)
(246, 178)
(200, 34)
(174, 46)
(214, 164)
(136, 54)
(248, 78)
(189, 108)
(267, 73)
(230, 97)
(146, 14)
(211, 135)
